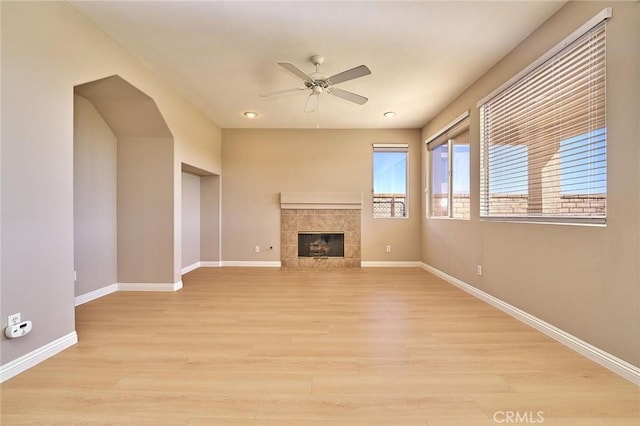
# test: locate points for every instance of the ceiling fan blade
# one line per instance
(347, 75)
(352, 97)
(312, 102)
(295, 70)
(281, 92)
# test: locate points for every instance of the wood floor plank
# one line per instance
(262, 346)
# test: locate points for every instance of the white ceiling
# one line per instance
(221, 55)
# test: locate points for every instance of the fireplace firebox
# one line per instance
(320, 244)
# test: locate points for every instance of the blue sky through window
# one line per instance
(583, 159)
(461, 178)
(390, 172)
(514, 180)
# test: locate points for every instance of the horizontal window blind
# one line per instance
(543, 138)
(456, 128)
(390, 147)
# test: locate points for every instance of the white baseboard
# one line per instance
(252, 264)
(25, 362)
(200, 264)
(190, 268)
(390, 264)
(95, 294)
(150, 286)
(605, 359)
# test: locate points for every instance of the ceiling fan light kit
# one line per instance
(319, 82)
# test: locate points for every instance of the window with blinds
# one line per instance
(449, 187)
(543, 136)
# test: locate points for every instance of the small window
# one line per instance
(543, 136)
(390, 180)
(449, 166)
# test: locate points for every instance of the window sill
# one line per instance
(597, 223)
(449, 218)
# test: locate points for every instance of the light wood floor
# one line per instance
(277, 347)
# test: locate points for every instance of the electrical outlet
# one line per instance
(480, 270)
(389, 249)
(14, 319)
(257, 249)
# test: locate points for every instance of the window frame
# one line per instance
(540, 217)
(390, 147)
(446, 136)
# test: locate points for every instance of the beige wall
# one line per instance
(584, 280)
(145, 210)
(94, 196)
(259, 164)
(190, 219)
(48, 48)
(201, 205)
(210, 218)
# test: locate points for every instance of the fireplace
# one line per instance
(320, 244)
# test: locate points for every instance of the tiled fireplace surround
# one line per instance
(320, 212)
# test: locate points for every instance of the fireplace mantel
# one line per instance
(321, 200)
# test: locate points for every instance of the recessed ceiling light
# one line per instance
(250, 114)
(389, 114)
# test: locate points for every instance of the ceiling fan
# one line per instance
(318, 83)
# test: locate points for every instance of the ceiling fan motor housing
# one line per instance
(318, 80)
